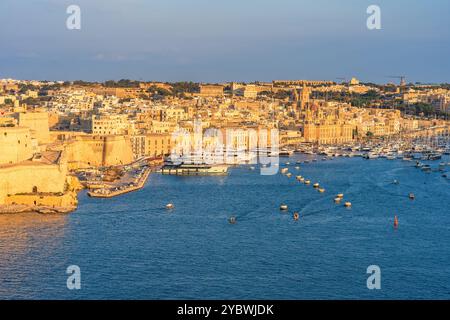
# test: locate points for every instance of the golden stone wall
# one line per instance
(38, 122)
(68, 199)
(15, 145)
(96, 151)
(31, 177)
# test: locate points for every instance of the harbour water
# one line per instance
(131, 247)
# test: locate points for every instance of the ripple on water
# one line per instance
(132, 247)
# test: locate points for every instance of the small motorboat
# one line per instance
(169, 206)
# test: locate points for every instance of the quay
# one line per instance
(117, 191)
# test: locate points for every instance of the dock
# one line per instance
(117, 191)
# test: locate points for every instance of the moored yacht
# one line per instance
(286, 153)
(194, 169)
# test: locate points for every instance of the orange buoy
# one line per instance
(395, 222)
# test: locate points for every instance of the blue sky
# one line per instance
(214, 41)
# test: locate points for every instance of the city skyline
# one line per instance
(224, 42)
(224, 153)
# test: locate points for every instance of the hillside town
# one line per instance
(57, 138)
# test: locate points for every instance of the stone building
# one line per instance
(151, 145)
(328, 133)
(208, 90)
(37, 122)
(110, 124)
(16, 145)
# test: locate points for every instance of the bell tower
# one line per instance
(305, 97)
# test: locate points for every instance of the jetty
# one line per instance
(122, 189)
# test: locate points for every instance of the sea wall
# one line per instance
(63, 200)
(31, 178)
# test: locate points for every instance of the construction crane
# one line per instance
(402, 80)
